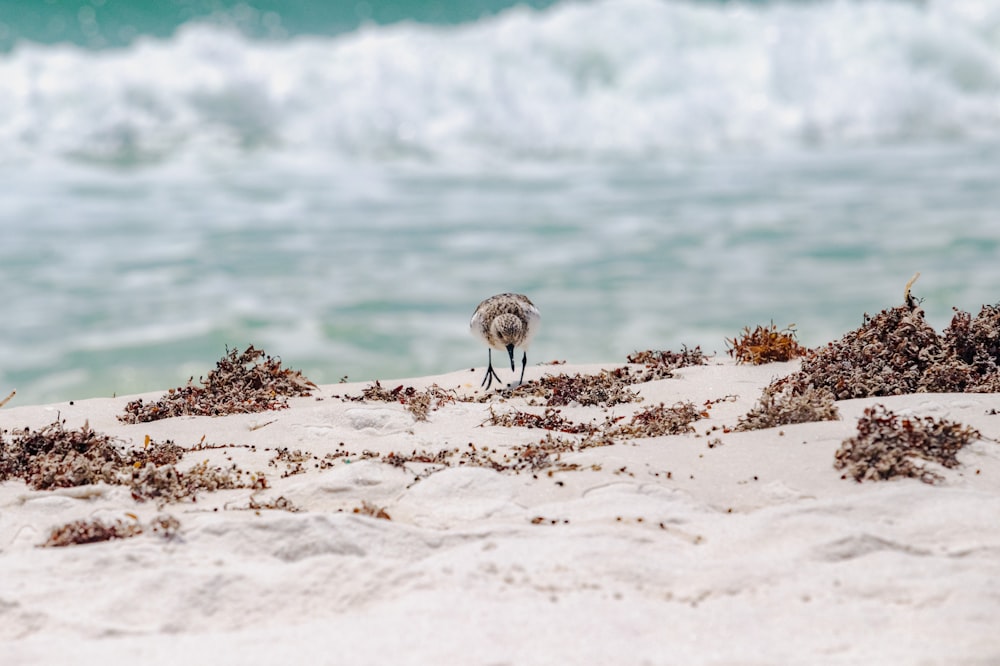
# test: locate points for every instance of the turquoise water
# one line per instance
(117, 23)
(343, 191)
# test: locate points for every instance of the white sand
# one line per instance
(750, 552)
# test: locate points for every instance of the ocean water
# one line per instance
(342, 183)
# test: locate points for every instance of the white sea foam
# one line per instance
(622, 78)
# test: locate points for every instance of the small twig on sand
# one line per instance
(909, 300)
(7, 399)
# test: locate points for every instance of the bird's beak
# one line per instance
(510, 350)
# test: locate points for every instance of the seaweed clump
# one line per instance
(897, 352)
(54, 457)
(975, 342)
(893, 353)
(94, 531)
(888, 446)
(606, 388)
(785, 406)
(660, 364)
(418, 403)
(241, 383)
(662, 420)
(766, 344)
(652, 422)
(90, 531)
(167, 484)
(551, 419)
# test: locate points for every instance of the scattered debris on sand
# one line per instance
(418, 403)
(605, 388)
(660, 364)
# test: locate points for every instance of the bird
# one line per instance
(503, 322)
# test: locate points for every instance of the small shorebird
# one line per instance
(503, 322)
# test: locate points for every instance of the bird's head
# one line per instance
(508, 331)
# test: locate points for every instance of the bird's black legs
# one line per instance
(490, 373)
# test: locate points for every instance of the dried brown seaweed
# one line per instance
(418, 403)
(294, 461)
(888, 446)
(54, 457)
(157, 453)
(534, 456)
(546, 453)
(897, 352)
(893, 353)
(975, 342)
(368, 509)
(241, 383)
(90, 531)
(661, 364)
(784, 405)
(661, 420)
(94, 531)
(551, 419)
(889, 355)
(606, 388)
(766, 344)
(167, 484)
(280, 503)
(651, 422)
(57, 457)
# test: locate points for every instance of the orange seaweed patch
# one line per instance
(766, 344)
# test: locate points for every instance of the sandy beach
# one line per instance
(378, 537)
(340, 183)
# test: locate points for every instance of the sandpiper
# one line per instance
(503, 322)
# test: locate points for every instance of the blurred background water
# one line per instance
(341, 183)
